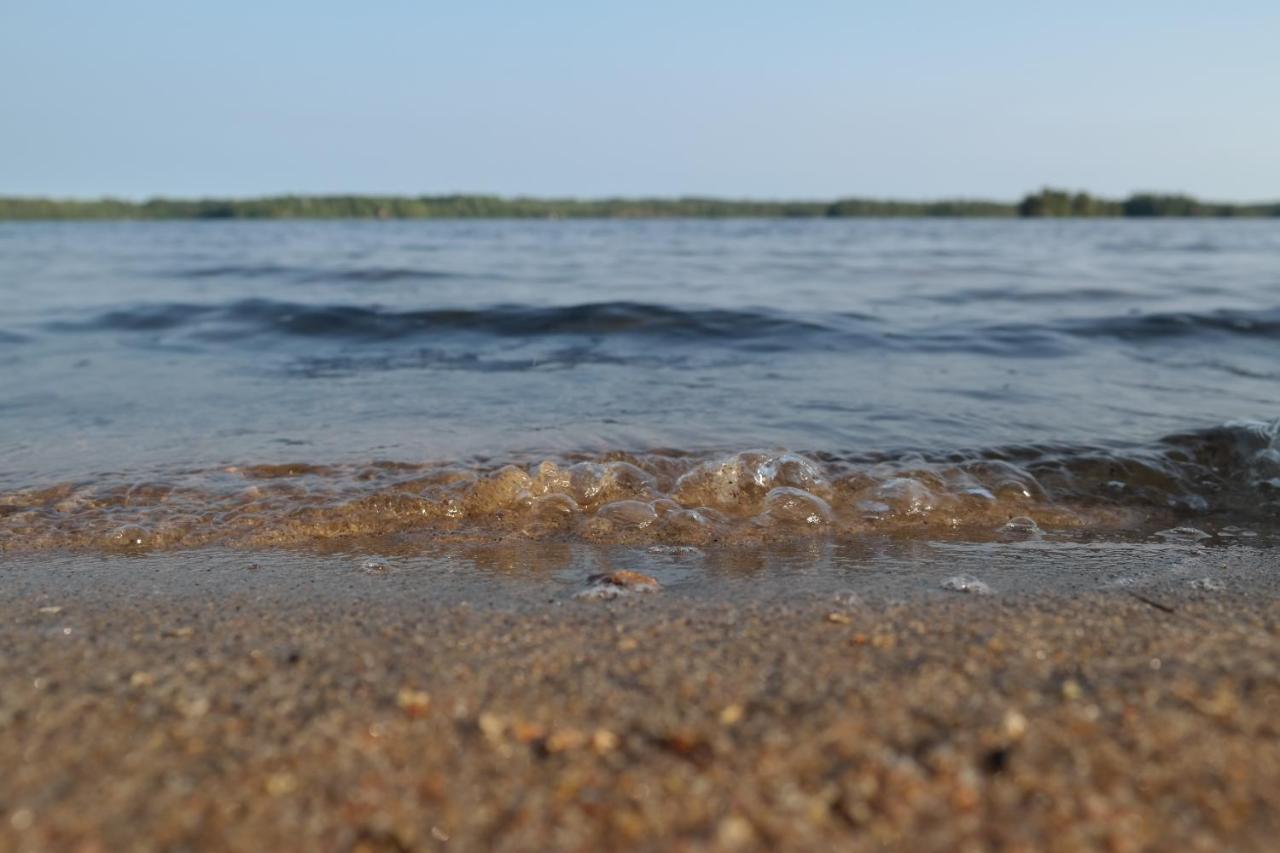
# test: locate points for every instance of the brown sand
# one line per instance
(321, 721)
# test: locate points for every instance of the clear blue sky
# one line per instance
(798, 99)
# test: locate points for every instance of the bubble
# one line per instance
(689, 524)
(967, 584)
(905, 496)
(547, 478)
(1006, 480)
(130, 537)
(741, 481)
(1020, 525)
(623, 478)
(628, 513)
(793, 471)
(554, 507)
(789, 506)
(874, 508)
(497, 491)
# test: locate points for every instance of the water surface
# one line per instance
(214, 382)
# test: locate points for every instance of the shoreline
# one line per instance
(154, 703)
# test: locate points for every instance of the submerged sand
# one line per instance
(143, 711)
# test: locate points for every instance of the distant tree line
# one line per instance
(1052, 202)
(1046, 203)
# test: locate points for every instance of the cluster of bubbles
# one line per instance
(661, 498)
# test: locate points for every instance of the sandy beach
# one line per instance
(252, 707)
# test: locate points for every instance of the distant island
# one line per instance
(1046, 203)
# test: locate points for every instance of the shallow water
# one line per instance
(174, 385)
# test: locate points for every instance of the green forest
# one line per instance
(1045, 203)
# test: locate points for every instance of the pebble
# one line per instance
(413, 702)
(613, 584)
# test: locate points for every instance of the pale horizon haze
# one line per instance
(744, 100)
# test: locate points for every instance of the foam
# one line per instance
(1219, 477)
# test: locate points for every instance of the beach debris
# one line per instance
(1150, 602)
(839, 618)
(966, 583)
(51, 610)
(610, 585)
(374, 566)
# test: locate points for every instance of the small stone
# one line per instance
(735, 831)
(1015, 724)
(563, 740)
(526, 732)
(415, 703)
(604, 741)
(613, 584)
(279, 784)
(731, 715)
(142, 679)
(839, 618)
(491, 725)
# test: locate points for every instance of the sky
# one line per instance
(734, 98)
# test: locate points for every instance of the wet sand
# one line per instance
(256, 708)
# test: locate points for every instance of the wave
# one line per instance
(260, 316)
(1265, 323)
(759, 328)
(1219, 479)
(311, 275)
